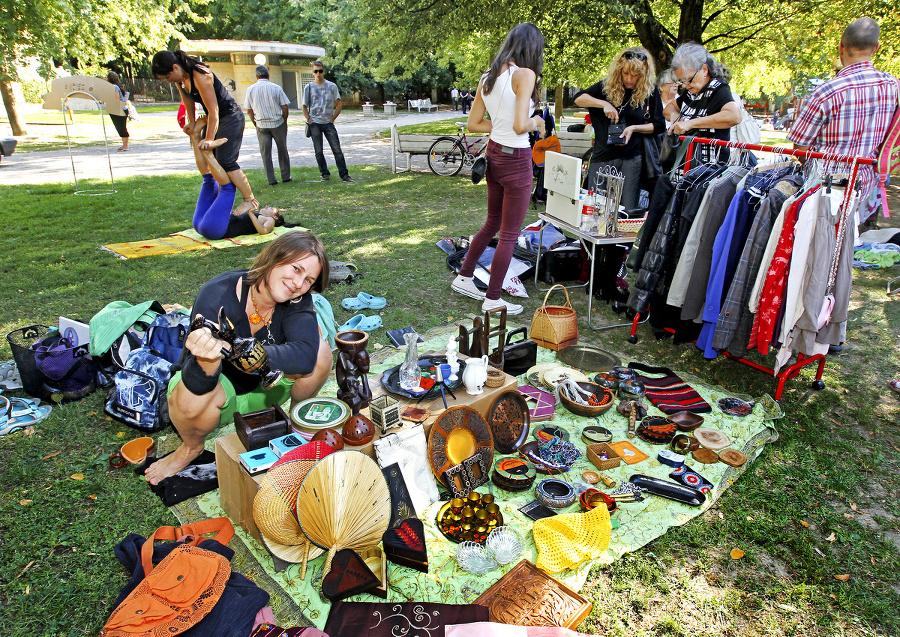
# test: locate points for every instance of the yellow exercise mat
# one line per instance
(188, 240)
(172, 244)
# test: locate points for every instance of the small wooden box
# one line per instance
(593, 453)
(257, 428)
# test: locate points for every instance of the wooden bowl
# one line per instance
(604, 395)
(686, 420)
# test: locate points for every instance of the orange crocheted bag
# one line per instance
(181, 590)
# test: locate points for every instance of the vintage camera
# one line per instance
(614, 134)
(247, 354)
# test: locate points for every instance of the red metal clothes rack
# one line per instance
(791, 371)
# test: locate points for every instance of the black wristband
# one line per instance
(195, 380)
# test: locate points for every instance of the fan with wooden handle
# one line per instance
(344, 502)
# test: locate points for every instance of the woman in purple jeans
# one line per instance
(507, 92)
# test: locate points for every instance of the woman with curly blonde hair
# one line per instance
(624, 106)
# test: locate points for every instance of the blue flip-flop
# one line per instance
(363, 301)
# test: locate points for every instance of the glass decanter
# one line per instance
(410, 372)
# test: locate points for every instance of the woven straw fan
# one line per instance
(274, 503)
(344, 502)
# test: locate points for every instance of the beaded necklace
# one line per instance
(256, 317)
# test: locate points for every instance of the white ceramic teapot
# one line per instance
(475, 375)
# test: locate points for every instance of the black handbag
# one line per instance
(651, 166)
(520, 356)
(308, 130)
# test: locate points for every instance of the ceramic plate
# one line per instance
(509, 420)
(533, 375)
(459, 430)
(592, 359)
(390, 379)
(314, 414)
(553, 377)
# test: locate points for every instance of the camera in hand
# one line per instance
(247, 354)
(615, 134)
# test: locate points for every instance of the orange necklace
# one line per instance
(256, 318)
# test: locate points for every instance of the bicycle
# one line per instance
(448, 155)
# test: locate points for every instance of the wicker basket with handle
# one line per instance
(555, 326)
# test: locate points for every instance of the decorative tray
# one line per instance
(458, 434)
(526, 596)
(483, 521)
(509, 420)
(390, 379)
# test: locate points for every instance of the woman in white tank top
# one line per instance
(507, 93)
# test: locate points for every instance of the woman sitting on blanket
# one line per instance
(271, 302)
(216, 140)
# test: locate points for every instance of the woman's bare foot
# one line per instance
(262, 223)
(246, 206)
(171, 464)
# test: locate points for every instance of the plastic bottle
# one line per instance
(588, 223)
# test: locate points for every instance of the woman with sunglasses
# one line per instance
(216, 140)
(624, 106)
(705, 105)
(507, 93)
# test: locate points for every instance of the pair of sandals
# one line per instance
(19, 413)
(9, 376)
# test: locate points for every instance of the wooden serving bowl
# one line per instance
(686, 420)
(603, 394)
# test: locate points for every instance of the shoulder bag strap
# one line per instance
(222, 527)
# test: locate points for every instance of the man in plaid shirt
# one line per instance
(850, 113)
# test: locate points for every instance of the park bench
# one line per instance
(575, 144)
(409, 144)
(420, 104)
(7, 147)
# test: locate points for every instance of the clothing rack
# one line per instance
(791, 371)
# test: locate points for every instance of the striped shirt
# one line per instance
(265, 99)
(848, 115)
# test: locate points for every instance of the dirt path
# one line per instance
(359, 142)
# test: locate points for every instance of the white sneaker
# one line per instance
(511, 308)
(466, 286)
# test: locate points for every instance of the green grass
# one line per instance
(835, 467)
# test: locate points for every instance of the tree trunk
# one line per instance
(16, 122)
(690, 28)
(558, 98)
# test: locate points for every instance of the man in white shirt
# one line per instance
(454, 96)
(321, 106)
(267, 105)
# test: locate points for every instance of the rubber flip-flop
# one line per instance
(363, 301)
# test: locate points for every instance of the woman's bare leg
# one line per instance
(239, 179)
(194, 417)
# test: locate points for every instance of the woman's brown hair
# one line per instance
(288, 248)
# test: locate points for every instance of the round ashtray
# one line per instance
(555, 493)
